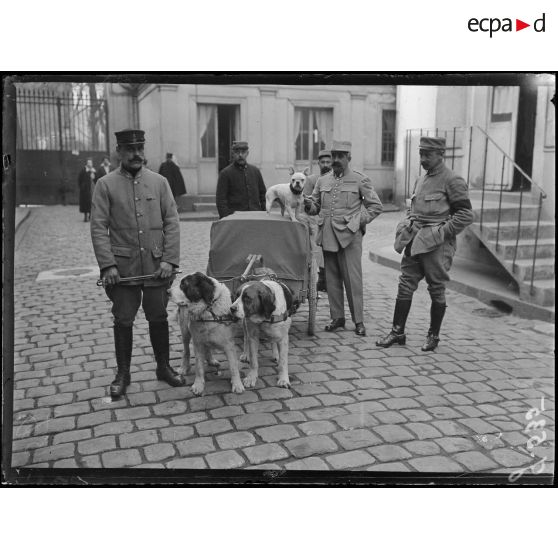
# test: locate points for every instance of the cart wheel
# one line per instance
(312, 297)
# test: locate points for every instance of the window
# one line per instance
(313, 132)
(388, 137)
(207, 124)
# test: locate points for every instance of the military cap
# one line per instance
(239, 146)
(324, 153)
(129, 136)
(431, 143)
(342, 146)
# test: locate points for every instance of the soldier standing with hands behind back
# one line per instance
(346, 202)
(135, 232)
(440, 209)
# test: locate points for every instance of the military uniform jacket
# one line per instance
(240, 189)
(440, 209)
(134, 224)
(345, 204)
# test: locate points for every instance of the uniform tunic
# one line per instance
(134, 224)
(440, 209)
(240, 189)
(345, 205)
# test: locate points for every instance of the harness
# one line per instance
(219, 319)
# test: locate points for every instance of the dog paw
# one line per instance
(237, 387)
(244, 358)
(250, 381)
(284, 383)
(197, 388)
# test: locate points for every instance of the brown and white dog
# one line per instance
(265, 307)
(288, 196)
(204, 316)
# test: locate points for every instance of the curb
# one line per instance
(520, 308)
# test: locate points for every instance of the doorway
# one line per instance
(525, 143)
(218, 127)
(226, 133)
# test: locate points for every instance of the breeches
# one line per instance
(344, 268)
(126, 301)
(433, 266)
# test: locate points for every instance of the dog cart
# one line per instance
(247, 240)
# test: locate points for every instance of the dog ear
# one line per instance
(268, 303)
(306, 171)
(291, 171)
(207, 289)
(289, 298)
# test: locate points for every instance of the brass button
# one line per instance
(141, 232)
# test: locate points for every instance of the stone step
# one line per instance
(522, 269)
(507, 211)
(546, 248)
(205, 206)
(542, 293)
(508, 231)
(511, 197)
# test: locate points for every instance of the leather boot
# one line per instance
(335, 324)
(321, 284)
(437, 311)
(397, 333)
(123, 338)
(159, 335)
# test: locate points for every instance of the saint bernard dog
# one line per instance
(204, 315)
(265, 308)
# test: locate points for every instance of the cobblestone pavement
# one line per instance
(351, 406)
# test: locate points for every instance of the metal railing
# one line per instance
(471, 152)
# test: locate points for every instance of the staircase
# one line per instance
(524, 244)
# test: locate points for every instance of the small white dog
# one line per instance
(288, 196)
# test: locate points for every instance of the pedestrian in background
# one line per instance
(105, 167)
(346, 202)
(171, 171)
(135, 232)
(439, 210)
(86, 182)
(324, 164)
(240, 186)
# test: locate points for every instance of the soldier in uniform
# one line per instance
(135, 232)
(346, 202)
(240, 186)
(439, 210)
(324, 163)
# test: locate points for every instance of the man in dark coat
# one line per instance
(439, 210)
(240, 186)
(135, 232)
(171, 171)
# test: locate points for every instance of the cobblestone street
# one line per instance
(352, 406)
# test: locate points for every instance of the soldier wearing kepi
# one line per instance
(346, 202)
(135, 232)
(440, 209)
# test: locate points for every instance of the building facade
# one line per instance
(284, 126)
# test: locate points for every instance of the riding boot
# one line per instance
(321, 284)
(437, 311)
(123, 337)
(159, 335)
(397, 333)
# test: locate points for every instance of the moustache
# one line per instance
(137, 160)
